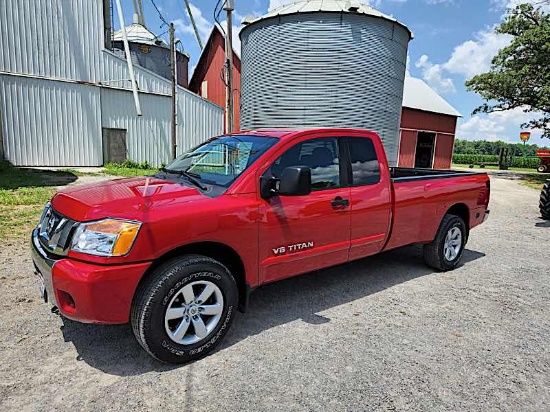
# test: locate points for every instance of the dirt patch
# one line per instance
(384, 333)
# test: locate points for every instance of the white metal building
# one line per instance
(66, 100)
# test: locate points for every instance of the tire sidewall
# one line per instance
(173, 279)
(458, 223)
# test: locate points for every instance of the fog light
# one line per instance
(66, 301)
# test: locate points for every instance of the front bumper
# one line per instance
(87, 292)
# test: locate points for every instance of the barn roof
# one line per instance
(418, 95)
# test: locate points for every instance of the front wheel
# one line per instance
(184, 308)
(542, 168)
(445, 251)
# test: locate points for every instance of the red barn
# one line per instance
(207, 81)
(428, 122)
(428, 126)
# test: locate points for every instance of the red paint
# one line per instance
(175, 215)
(443, 157)
(414, 121)
(209, 68)
(407, 148)
(427, 121)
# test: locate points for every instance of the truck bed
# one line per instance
(404, 174)
(421, 197)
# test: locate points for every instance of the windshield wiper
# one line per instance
(192, 177)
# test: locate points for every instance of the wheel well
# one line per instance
(217, 251)
(462, 211)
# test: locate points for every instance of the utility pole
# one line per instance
(173, 77)
(229, 6)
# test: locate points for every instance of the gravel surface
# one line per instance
(384, 333)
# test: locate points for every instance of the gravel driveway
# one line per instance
(384, 333)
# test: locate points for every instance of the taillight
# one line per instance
(488, 184)
(484, 194)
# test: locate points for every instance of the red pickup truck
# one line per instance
(177, 253)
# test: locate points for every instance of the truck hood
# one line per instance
(130, 198)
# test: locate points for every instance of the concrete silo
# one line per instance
(333, 63)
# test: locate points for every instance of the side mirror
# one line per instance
(295, 181)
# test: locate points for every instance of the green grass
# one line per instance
(535, 181)
(113, 169)
(513, 169)
(23, 193)
(529, 177)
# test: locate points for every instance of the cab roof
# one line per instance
(286, 133)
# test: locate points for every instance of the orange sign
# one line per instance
(525, 136)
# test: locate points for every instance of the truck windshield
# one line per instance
(220, 160)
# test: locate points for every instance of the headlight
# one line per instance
(109, 237)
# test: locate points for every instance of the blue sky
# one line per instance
(454, 40)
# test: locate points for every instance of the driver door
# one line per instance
(299, 234)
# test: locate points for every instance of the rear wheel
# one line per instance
(445, 251)
(544, 203)
(542, 168)
(184, 308)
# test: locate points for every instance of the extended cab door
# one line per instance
(298, 234)
(370, 196)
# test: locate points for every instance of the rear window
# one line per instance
(364, 162)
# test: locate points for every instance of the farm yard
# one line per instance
(381, 333)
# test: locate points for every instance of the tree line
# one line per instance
(483, 147)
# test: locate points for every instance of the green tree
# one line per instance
(520, 73)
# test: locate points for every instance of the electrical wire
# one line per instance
(160, 14)
(217, 13)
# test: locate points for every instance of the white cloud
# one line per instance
(203, 25)
(510, 4)
(407, 67)
(433, 75)
(474, 56)
(494, 126)
(468, 59)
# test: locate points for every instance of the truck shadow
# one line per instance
(114, 350)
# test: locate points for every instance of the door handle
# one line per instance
(339, 202)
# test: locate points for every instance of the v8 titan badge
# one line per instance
(292, 248)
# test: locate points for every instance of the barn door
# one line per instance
(114, 145)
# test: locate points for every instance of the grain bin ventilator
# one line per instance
(325, 68)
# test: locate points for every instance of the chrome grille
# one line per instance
(54, 231)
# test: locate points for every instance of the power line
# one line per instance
(160, 14)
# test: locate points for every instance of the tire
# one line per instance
(542, 168)
(544, 203)
(436, 253)
(167, 310)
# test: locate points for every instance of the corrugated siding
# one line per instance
(198, 120)
(58, 123)
(325, 69)
(114, 73)
(50, 123)
(148, 136)
(52, 38)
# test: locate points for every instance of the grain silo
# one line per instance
(333, 63)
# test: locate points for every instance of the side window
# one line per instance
(364, 162)
(320, 155)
